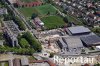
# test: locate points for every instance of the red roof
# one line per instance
(40, 61)
(91, 15)
(98, 12)
(29, 4)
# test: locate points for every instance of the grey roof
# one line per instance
(91, 40)
(24, 61)
(62, 42)
(73, 42)
(11, 26)
(3, 11)
(78, 29)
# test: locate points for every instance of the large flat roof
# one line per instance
(78, 30)
(73, 42)
(91, 40)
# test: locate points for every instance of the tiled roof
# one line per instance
(40, 61)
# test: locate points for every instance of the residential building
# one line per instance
(16, 62)
(3, 11)
(24, 61)
(11, 32)
(42, 63)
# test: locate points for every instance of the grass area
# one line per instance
(0, 64)
(73, 19)
(53, 21)
(46, 13)
(28, 11)
(44, 9)
(40, 10)
(5, 63)
(31, 58)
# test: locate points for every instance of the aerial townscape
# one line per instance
(49, 32)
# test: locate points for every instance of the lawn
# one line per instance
(40, 10)
(44, 9)
(53, 22)
(28, 11)
(5, 63)
(74, 19)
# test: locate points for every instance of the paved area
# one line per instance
(39, 64)
(6, 57)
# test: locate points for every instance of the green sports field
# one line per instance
(53, 22)
(50, 20)
(40, 10)
(45, 9)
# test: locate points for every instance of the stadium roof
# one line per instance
(78, 30)
(91, 40)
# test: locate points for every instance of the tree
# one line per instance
(97, 64)
(24, 43)
(7, 17)
(51, 55)
(65, 19)
(96, 30)
(34, 15)
(32, 41)
(19, 23)
(64, 11)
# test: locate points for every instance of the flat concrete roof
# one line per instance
(78, 30)
(73, 42)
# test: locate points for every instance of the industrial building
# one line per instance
(63, 46)
(78, 30)
(73, 43)
(92, 40)
(70, 43)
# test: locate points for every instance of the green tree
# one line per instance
(51, 55)
(24, 43)
(34, 16)
(65, 19)
(97, 64)
(32, 41)
(19, 23)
